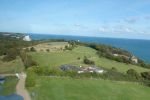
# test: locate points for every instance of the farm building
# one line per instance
(91, 69)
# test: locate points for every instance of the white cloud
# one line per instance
(147, 17)
(132, 20)
(103, 29)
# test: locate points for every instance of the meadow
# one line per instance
(87, 89)
(11, 67)
(55, 59)
(9, 86)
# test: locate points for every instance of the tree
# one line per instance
(11, 54)
(146, 75)
(32, 49)
(47, 50)
(133, 73)
(87, 61)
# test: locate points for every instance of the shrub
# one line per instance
(27, 60)
(11, 55)
(133, 73)
(87, 61)
(47, 50)
(146, 75)
(32, 49)
(31, 79)
(78, 58)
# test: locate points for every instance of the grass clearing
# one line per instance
(86, 89)
(11, 67)
(9, 86)
(55, 59)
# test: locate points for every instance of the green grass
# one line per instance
(55, 59)
(122, 67)
(57, 43)
(58, 58)
(86, 89)
(11, 67)
(9, 87)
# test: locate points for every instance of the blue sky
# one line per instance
(104, 18)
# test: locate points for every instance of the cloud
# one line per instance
(103, 29)
(77, 25)
(117, 29)
(147, 17)
(132, 20)
(80, 26)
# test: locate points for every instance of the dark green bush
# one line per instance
(132, 73)
(31, 78)
(87, 61)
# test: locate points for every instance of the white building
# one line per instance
(134, 59)
(27, 38)
(115, 55)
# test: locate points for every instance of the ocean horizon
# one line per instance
(138, 47)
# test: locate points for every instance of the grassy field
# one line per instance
(55, 59)
(9, 87)
(86, 89)
(11, 67)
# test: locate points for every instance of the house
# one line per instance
(134, 59)
(115, 55)
(2, 79)
(27, 38)
(94, 69)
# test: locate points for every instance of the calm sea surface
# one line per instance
(140, 48)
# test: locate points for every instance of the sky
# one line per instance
(98, 18)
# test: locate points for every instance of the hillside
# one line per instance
(11, 67)
(55, 59)
(41, 61)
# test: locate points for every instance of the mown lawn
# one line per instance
(87, 89)
(55, 59)
(11, 67)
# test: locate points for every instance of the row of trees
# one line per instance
(111, 74)
(27, 60)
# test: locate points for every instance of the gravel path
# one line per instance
(20, 88)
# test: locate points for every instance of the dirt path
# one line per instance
(20, 88)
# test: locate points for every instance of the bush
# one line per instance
(11, 55)
(113, 74)
(78, 58)
(27, 60)
(132, 73)
(47, 50)
(31, 78)
(146, 75)
(32, 49)
(87, 61)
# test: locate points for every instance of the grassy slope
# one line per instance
(83, 89)
(70, 57)
(9, 86)
(11, 67)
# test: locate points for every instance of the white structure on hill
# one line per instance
(134, 59)
(27, 38)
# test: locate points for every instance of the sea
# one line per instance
(140, 48)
